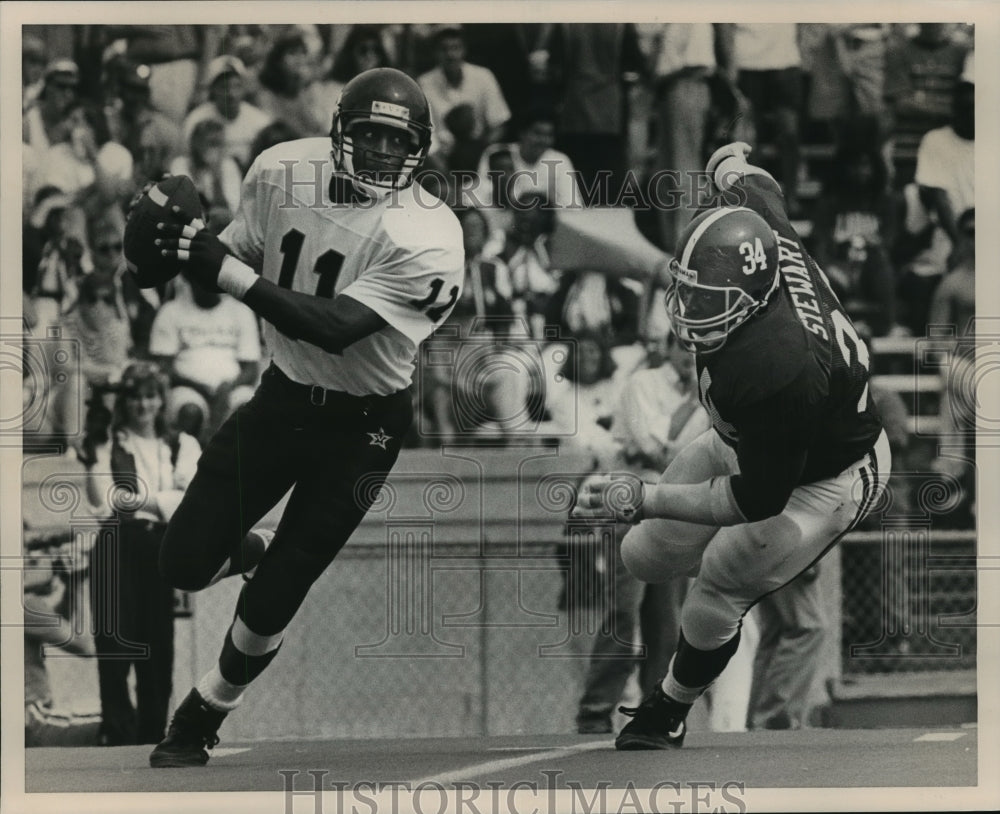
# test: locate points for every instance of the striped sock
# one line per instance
(219, 693)
(677, 691)
(245, 654)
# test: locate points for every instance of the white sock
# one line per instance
(218, 692)
(676, 690)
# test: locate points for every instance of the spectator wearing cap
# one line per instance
(285, 87)
(43, 121)
(178, 56)
(135, 123)
(227, 102)
(33, 60)
(456, 82)
(132, 606)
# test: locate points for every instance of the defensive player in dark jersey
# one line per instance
(351, 269)
(796, 454)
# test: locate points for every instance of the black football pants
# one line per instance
(335, 449)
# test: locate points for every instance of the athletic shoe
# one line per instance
(192, 731)
(657, 723)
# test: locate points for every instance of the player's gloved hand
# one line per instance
(736, 149)
(194, 245)
(617, 497)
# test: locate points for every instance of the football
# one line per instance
(142, 255)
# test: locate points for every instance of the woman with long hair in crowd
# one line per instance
(137, 469)
(362, 50)
(285, 87)
(216, 174)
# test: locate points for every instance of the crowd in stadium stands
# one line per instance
(868, 127)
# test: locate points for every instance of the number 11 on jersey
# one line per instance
(327, 266)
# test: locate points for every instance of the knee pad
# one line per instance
(642, 558)
(709, 619)
(659, 550)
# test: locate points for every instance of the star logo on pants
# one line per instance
(379, 438)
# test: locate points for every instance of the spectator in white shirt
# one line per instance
(946, 186)
(455, 81)
(242, 121)
(536, 166)
(210, 345)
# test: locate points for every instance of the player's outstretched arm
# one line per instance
(624, 498)
(769, 472)
(330, 324)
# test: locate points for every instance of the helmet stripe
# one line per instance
(703, 227)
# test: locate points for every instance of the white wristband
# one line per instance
(236, 277)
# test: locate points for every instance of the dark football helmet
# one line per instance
(381, 96)
(725, 270)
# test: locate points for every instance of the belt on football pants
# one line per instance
(317, 396)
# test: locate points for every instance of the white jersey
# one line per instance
(401, 256)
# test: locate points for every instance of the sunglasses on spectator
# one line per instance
(63, 85)
(108, 247)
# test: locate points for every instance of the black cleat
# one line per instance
(192, 731)
(657, 723)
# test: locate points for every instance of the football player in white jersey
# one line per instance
(350, 265)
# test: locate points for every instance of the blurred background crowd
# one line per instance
(868, 127)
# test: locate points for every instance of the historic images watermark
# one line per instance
(312, 791)
(305, 183)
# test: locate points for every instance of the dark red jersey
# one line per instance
(789, 389)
